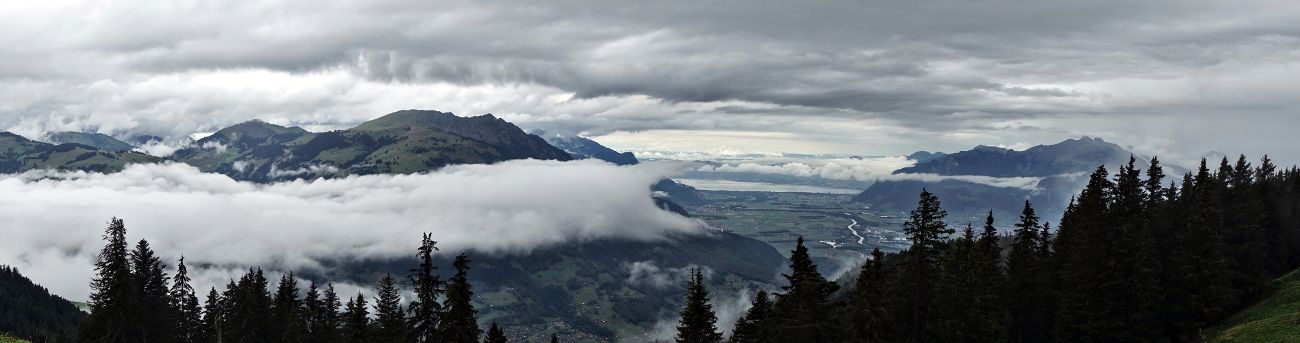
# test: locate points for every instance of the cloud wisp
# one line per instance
(54, 220)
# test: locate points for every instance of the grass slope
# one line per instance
(1276, 318)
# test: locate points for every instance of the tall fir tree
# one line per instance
(311, 307)
(867, 312)
(213, 318)
(113, 304)
(248, 315)
(185, 307)
(753, 327)
(698, 323)
(390, 319)
(154, 321)
(356, 321)
(426, 311)
(1083, 260)
(328, 321)
(926, 229)
(287, 311)
(495, 335)
(1023, 275)
(800, 312)
(460, 321)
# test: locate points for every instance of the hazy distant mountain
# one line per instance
(582, 147)
(98, 140)
(402, 142)
(923, 156)
(19, 154)
(1060, 168)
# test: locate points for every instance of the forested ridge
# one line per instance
(1137, 257)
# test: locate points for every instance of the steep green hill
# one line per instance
(19, 154)
(28, 310)
(1276, 318)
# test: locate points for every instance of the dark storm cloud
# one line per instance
(925, 67)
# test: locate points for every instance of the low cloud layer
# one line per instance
(868, 169)
(650, 274)
(54, 220)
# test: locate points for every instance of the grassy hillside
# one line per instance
(9, 339)
(19, 154)
(1276, 318)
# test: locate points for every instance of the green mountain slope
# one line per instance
(401, 142)
(29, 311)
(97, 140)
(1275, 318)
(19, 154)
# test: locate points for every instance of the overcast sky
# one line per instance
(1175, 78)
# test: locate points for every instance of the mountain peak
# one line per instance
(485, 128)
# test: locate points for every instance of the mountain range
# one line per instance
(1056, 172)
(581, 289)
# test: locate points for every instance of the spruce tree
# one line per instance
(459, 322)
(800, 312)
(926, 229)
(356, 325)
(113, 303)
(867, 302)
(554, 339)
(753, 326)
(154, 321)
(185, 307)
(426, 311)
(698, 323)
(494, 334)
(248, 303)
(390, 320)
(1023, 269)
(328, 320)
(311, 307)
(1085, 242)
(213, 318)
(287, 311)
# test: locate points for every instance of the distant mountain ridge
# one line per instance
(582, 147)
(1061, 169)
(401, 142)
(19, 154)
(97, 140)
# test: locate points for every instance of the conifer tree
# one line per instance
(426, 311)
(113, 296)
(185, 307)
(554, 339)
(753, 326)
(154, 321)
(698, 323)
(926, 229)
(1085, 262)
(287, 311)
(247, 317)
(460, 323)
(356, 325)
(212, 318)
(328, 320)
(800, 312)
(311, 307)
(867, 308)
(1023, 269)
(495, 335)
(390, 320)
